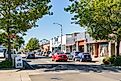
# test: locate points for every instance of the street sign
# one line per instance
(18, 62)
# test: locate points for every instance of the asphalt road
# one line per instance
(51, 66)
(76, 77)
(43, 60)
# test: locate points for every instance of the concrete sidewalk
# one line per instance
(14, 75)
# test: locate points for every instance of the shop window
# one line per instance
(104, 50)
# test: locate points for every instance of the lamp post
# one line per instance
(61, 33)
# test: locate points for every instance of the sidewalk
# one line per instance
(13, 75)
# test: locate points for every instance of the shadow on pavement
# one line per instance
(77, 67)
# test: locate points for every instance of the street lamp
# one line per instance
(61, 33)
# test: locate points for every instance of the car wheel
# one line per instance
(52, 60)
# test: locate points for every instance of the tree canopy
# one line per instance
(101, 17)
(17, 16)
(33, 44)
(21, 15)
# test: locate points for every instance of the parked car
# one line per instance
(50, 55)
(45, 54)
(13, 53)
(75, 53)
(31, 55)
(59, 56)
(70, 57)
(2, 54)
(83, 57)
(38, 53)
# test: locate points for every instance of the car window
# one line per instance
(76, 53)
(60, 53)
(86, 53)
(87, 56)
(1, 50)
(67, 53)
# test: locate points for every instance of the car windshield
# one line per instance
(76, 53)
(67, 53)
(60, 53)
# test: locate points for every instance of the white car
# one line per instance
(50, 55)
(1, 53)
(13, 53)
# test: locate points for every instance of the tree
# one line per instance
(33, 44)
(101, 18)
(17, 16)
(18, 42)
(3, 39)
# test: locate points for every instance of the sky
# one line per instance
(47, 30)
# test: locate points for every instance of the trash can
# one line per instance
(18, 62)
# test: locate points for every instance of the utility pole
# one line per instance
(61, 33)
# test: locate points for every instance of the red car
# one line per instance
(59, 56)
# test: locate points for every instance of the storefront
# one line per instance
(104, 50)
(98, 49)
(81, 46)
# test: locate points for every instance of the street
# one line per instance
(44, 60)
(76, 77)
(47, 70)
(73, 71)
(47, 65)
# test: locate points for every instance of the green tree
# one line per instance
(17, 42)
(17, 16)
(101, 18)
(33, 44)
(3, 39)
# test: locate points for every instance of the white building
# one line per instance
(68, 43)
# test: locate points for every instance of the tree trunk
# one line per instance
(9, 45)
(117, 47)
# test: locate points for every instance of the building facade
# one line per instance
(84, 43)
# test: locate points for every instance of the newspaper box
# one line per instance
(18, 62)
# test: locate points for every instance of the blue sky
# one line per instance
(46, 28)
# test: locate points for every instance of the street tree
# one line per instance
(18, 42)
(101, 18)
(17, 16)
(33, 44)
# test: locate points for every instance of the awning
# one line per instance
(70, 44)
(98, 41)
